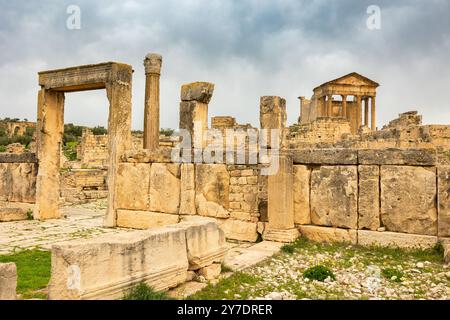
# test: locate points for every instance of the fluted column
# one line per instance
(373, 126)
(152, 63)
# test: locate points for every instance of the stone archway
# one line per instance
(116, 78)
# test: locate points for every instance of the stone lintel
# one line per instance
(325, 156)
(18, 158)
(86, 77)
(411, 157)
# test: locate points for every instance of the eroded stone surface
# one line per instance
(444, 201)
(302, 175)
(165, 188)
(334, 192)
(212, 190)
(133, 186)
(369, 195)
(8, 281)
(397, 239)
(408, 199)
(144, 219)
(327, 234)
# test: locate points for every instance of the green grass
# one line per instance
(2, 149)
(33, 270)
(143, 292)
(392, 274)
(226, 288)
(319, 273)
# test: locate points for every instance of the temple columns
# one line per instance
(344, 106)
(366, 111)
(358, 112)
(152, 63)
(373, 125)
(330, 106)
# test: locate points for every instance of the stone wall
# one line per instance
(18, 174)
(83, 185)
(342, 192)
(372, 196)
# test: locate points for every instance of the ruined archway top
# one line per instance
(85, 77)
(152, 63)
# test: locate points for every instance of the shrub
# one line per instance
(167, 131)
(144, 292)
(2, 149)
(392, 274)
(98, 131)
(319, 273)
(288, 248)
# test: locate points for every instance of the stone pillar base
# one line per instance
(281, 235)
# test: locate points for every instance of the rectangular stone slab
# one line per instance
(411, 157)
(18, 158)
(325, 156)
(105, 267)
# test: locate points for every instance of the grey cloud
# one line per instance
(248, 48)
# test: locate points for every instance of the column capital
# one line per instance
(152, 63)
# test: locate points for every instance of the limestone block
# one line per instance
(23, 182)
(197, 91)
(281, 195)
(369, 197)
(8, 281)
(205, 241)
(327, 234)
(212, 190)
(402, 240)
(211, 272)
(18, 158)
(12, 214)
(325, 156)
(447, 253)
(408, 199)
(444, 201)
(302, 175)
(239, 230)
(18, 182)
(187, 196)
(280, 235)
(133, 185)
(106, 266)
(165, 187)
(412, 157)
(144, 219)
(334, 192)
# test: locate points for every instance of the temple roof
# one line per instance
(352, 79)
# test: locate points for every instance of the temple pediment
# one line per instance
(354, 79)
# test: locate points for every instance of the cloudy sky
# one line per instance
(248, 48)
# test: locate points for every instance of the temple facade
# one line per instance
(351, 97)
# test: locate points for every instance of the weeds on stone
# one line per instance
(319, 273)
(392, 274)
(30, 214)
(225, 268)
(144, 292)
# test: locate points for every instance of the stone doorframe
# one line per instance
(116, 78)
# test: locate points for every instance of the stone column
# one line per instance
(358, 113)
(372, 116)
(49, 133)
(194, 109)
(118, 90)
(344, 106)
(330, 106)
(281, 203)
(366, 111)
(152, 63)
(272, 115)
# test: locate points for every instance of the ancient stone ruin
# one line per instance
(331, 177)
